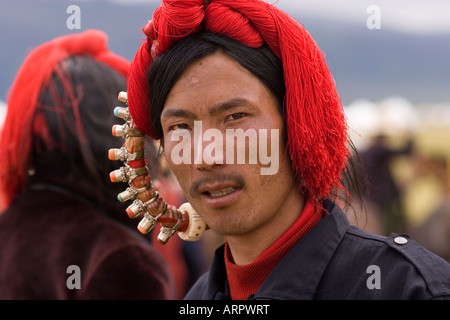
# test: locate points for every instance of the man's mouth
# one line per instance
(218, 192)
(221, 197)
(218, 186)
(221, 192)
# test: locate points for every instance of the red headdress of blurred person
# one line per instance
(316, 124)
(34, 74)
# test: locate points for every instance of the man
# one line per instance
(211, 75)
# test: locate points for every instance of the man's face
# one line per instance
(215, 96)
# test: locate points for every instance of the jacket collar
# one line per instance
(298, 274)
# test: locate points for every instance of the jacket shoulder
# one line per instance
(407, 257)
(199, 288)
(434, 270)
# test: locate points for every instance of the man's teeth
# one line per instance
(221, 192)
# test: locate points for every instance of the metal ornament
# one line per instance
(146, 200)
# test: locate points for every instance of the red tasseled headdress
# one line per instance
(34, 74)
(316, 124)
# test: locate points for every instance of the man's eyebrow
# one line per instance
(220, 107)
(227, 105)
(178, 113)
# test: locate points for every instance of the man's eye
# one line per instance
(236, 116)
(179, 126)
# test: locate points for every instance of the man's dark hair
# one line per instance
(167, 68)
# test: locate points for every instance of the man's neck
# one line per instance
(245, 248)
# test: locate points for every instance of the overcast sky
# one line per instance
(417, 16)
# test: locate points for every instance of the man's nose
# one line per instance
(208, 148)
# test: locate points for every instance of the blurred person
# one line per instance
(228, 65)
(434, 232)
(58, 217)
(384, 193)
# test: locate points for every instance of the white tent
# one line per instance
(393, 116)
(2, 112)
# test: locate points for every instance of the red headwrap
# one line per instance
(34, 74)
(316, 124)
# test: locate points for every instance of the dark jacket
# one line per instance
(45, 232)
(338, 261)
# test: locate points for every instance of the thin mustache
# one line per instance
(236, 179)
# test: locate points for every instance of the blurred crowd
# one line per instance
(405, 150)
